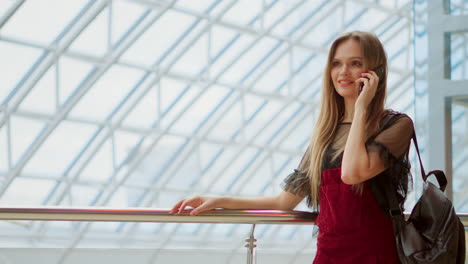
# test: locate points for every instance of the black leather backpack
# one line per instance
(433, 234)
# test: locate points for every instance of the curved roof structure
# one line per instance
(140, 103)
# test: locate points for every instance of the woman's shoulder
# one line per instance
(392, 117)
(390, 113)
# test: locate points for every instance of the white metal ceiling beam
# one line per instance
(158, 137)
(11, 11)
(32, 80)
(118, 122)
(110, 59)
(245, 29)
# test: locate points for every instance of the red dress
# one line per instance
(353, 229)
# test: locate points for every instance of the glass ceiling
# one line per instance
(141, 103)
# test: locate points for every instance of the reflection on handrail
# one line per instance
(163, 215)
(157, 215)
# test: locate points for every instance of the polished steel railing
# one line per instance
(219, 216)
(163, 216)
(157, 215)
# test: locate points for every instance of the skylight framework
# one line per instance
(141, 103)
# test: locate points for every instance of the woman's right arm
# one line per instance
(284, 201)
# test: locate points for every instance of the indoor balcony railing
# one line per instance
(218, 216)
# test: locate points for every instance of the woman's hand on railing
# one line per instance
(198, 203)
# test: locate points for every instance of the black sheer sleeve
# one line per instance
(297, 182)
(392, 143)
(394, 140)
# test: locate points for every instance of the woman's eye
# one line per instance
(335, 63)
(356, 63)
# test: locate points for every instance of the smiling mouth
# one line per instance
(345, 83)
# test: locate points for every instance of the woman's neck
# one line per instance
(349, 109)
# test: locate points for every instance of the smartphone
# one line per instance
(379, 71)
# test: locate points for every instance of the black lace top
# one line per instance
(391, 142)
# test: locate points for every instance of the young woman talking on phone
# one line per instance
(356, 146)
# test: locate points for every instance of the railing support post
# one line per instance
(250, 246)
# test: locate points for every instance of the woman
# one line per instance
(356, 149)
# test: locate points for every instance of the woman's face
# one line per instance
(347, 66)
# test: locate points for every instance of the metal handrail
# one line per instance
(157, 215)
(163, 216)
(222, 216)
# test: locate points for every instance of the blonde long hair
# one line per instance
(332, 106)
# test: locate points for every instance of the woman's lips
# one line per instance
(345, 83)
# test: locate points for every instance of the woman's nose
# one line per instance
(344, 69)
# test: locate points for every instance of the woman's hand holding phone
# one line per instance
(367, 88)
